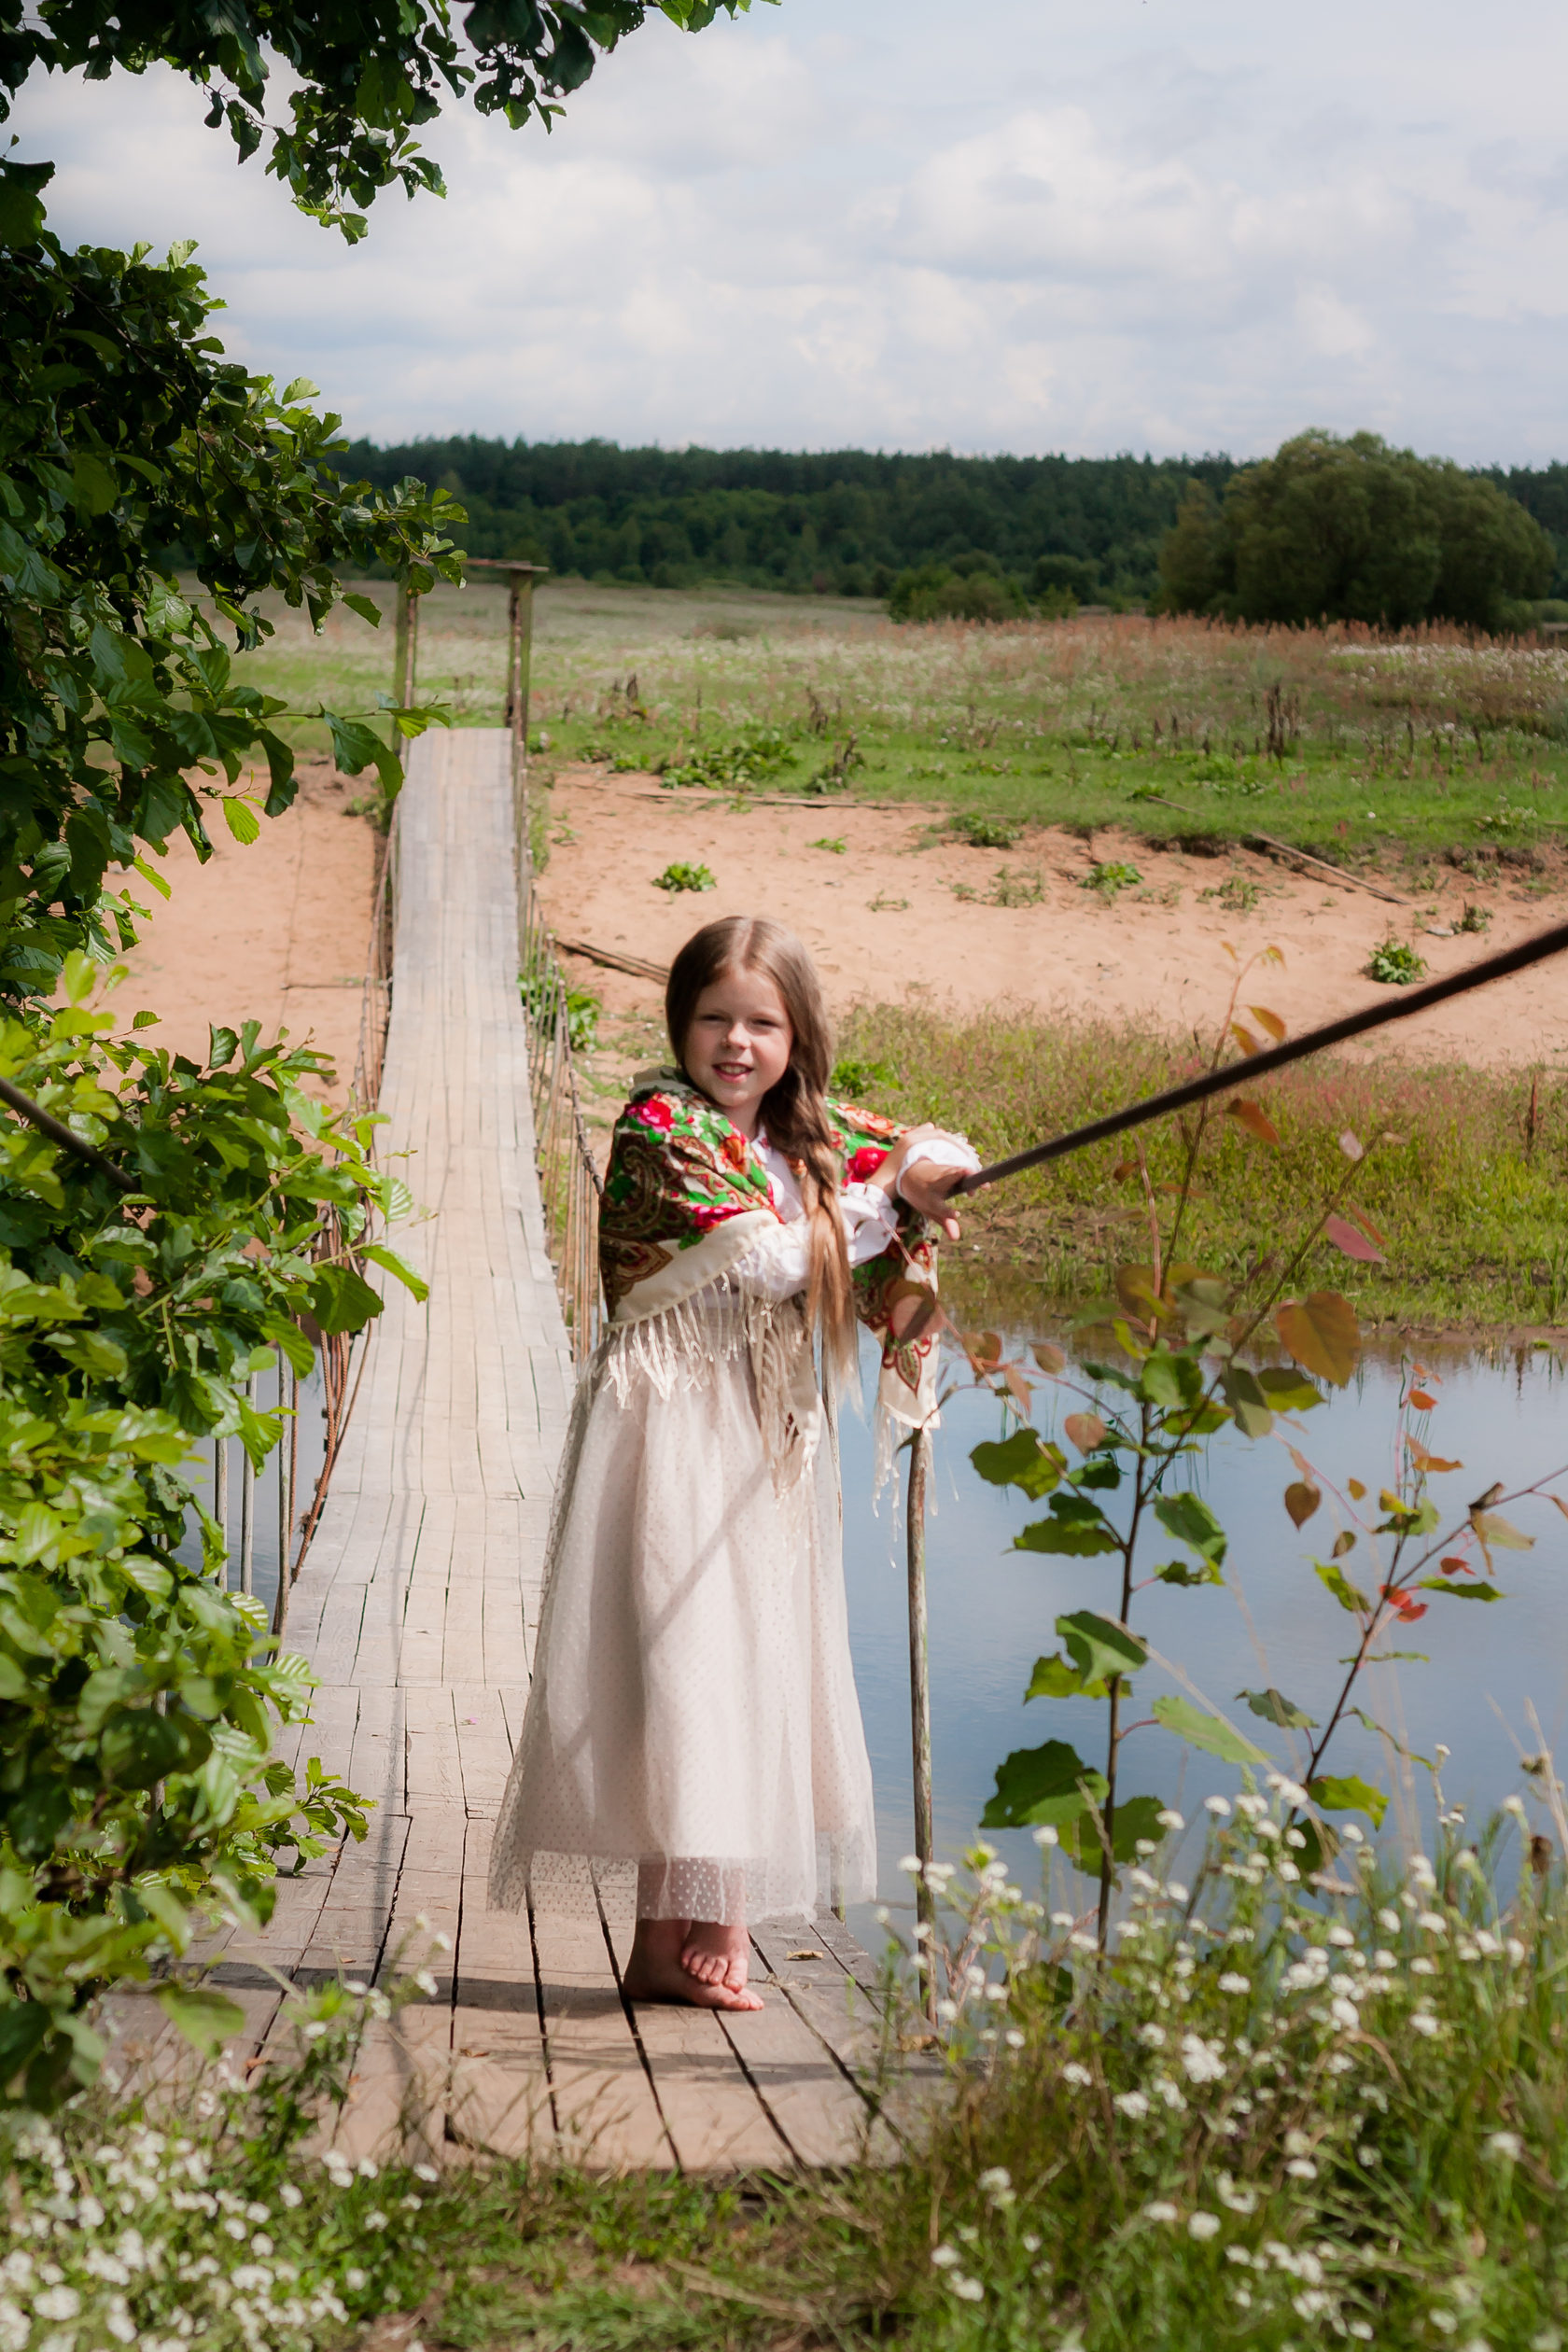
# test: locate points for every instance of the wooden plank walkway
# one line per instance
(417, 1606)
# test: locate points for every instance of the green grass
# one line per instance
(1470, 1191)
(1274, 2117)
(1330, 739)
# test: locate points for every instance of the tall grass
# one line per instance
(1466, 1176)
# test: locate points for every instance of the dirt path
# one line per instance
(274, 932)
(898, 913)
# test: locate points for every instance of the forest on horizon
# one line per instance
(835, 522)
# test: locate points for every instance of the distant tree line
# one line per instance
(981, 536)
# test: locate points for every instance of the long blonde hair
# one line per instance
(794, 1111)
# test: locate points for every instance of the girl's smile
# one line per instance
(738, 1045)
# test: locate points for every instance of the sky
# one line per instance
(1171, 226)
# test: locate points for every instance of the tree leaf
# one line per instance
(1085, 1431)
(1190, 1519)
(1301, 1501)
(1353, 1242)
(1254, 1118)
(1348, 1596)
(361, 605)
(1099, 1648)
(241, 819)
(1050, 1359)
(1055, 1678)
(1023, 1460)
(1322, 1333)
(1500, 1534)
(341, 1300)
(1247, 1401)
(1244, 1037)
(1044, 1784)
(206, 2019)
(1348, 1795)
(1461, 1591)
(1430, 1464)
(1275, 1708)
(379, 1254)
(1269, 1021)
(1214, 1733)
(1287, 1392)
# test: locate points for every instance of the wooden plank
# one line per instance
(715, 2121)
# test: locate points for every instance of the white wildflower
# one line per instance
(1064, 1919)
(1145, 1845)
(1232, 1982)
(1072, 2072)
(1515, 1951)
(1352, 1835)
(944, 2256)
(1218, 1806)
(1131, 2103)
(1082, 1942)
(966, 2289)
(1169, 1818)
(1302, 2168)
(374, 2220)
(1046, 1835)
(1389, 1922)
(1515, 1805)
(946, 2010)
(1343, 2013)
(1176, 1893)
(1506, 2145)
(354, 2280)
(1340, 1937)
(1152, 2035)
(425, 2172)
(911, 1864)
(1202, 2061)
(289, 2195)
(1421, 1869)
(425, 1983)
(1014, 2040)
(1422, 1965)
(1171, 2094)
(1160, 2211)
(233, 2228)
(1425, 2023)
(57, 2303)
(1314, 2305)
(1434, 1922)
(1203, 2225)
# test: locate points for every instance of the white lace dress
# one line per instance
(692, 1708)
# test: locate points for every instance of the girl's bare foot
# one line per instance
(654, 1971)
(716, 1955)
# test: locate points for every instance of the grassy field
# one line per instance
(1178, 729)
(1469, 1187)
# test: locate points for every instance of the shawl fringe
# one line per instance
(685, 1344)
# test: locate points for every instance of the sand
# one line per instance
(901, 914)
(273, 930)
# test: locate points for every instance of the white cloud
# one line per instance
(1026, 228)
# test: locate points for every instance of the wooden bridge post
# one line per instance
(919, 1700)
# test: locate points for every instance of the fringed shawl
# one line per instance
(684, 1197)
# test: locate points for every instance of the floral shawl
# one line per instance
(684, 1195)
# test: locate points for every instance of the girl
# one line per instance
(692, 1707)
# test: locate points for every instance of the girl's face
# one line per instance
(738, 1045)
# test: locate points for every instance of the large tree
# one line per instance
(1352, 530)
(125, 434)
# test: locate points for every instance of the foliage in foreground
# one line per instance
(138, 1697)
(1468, 1189)
(1278, 2113)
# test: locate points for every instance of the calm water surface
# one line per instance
(992, 1610)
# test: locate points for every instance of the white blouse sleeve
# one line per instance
(777, 1263)
(945, 1151)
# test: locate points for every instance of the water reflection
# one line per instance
(1502, 1412)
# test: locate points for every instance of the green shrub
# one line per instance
(936, 592)
(1395, 963)
(137, 1696)
(985, 832)
(681, 876)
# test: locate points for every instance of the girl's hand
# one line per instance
(903, 1175)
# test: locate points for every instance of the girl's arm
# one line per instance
(777, 1263)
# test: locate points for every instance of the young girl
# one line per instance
(692, 1707)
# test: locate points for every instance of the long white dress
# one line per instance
(692, 1707)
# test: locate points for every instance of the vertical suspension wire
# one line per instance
(220, 1497)
(247, 1504)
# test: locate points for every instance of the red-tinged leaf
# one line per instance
(1049, 1359)
(1123, 1171)
(1355, 1489)
(1273, 955)
(1423, 1400)
(1351, 1146)
(1322, 1333)
(1406, 1609)
(912, 1309)
(1086, 1430)
(982, 1349)
(1301, 1501)
(1244, 1037)
(1229, 950)
(1560, 1504)
(1269, 1021)
(1454, 1564)
(1022, 1395)
(1366, 1225)
(1432, 1464)
(1254, 1118)
(1354, 1245)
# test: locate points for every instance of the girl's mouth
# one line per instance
(733, 1072)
